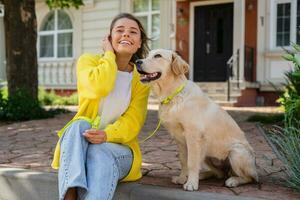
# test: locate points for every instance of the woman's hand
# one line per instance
(95, 136)
(106, 44)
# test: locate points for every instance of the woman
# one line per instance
(94, 153)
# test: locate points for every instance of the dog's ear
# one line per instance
(179, 66)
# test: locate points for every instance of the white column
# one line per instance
(167, 24)
(239, 35)
(261, 40)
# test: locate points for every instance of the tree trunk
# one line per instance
(21, 34)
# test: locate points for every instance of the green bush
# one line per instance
(50, 98)
(287, 141)
(267, 118)
(4, 92)
(290, 99)
(21, 106)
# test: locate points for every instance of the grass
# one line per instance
(287, 142)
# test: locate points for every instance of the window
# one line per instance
(147, 11)
(56, 36)
(286, 21)
(283, 24)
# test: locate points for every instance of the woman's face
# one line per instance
(126, 36)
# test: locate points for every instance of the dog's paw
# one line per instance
(179, 179)
(232, 182)
(191, 185)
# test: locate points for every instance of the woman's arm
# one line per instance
(96, 75)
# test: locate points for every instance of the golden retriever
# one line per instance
(201, 128)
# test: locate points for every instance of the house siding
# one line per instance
(95, 23)
(270, 64)
(90, 24)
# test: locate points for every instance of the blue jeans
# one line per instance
(94, 169)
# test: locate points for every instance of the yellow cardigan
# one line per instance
(96, 77)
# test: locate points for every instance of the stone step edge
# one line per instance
(27, 184)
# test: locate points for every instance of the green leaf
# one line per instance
(296, 74)
(297, 59)
(296, 47)
(60, 4)
(288, 57)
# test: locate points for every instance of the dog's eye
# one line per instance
(157, 56)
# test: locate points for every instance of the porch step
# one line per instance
(217, 91)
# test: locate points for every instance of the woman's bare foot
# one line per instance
(71, 194)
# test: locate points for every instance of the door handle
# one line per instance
(207, 48)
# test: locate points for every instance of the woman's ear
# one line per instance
(179, 66)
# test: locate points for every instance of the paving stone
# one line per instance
(31, 144)
(167, 173)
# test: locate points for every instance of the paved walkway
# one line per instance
(30, 145)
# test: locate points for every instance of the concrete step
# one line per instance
(23, 184)
(227, 103)
(218, 98)
(217, 91)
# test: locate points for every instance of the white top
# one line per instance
(117, 101)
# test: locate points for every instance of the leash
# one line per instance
(151, 134)
(166, 100)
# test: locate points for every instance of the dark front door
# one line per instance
(212, 41)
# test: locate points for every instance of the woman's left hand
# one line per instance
(95, 136)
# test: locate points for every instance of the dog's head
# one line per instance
(160, 64)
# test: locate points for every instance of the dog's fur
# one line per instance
(201, 128)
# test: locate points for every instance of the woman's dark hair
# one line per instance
(142, 52)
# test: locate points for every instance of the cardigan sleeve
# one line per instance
(96, 75)
(128, 126)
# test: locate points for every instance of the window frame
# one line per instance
(149, 15)
(273, 18)
(55, 34)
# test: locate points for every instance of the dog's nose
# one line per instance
(139, 62)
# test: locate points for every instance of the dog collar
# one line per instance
(170, 97)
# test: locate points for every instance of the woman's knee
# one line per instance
(81, 125)
(77, 128)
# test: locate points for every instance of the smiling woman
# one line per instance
(99, 147)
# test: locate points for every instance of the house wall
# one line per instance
(182, 29)
(270, 65)
(96, 18)
(251, 30)
(90, 25)
(2, 51)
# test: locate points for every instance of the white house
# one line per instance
(247, 34)
(65, 34)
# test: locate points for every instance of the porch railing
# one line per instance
(57, 74)
(234, 58)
